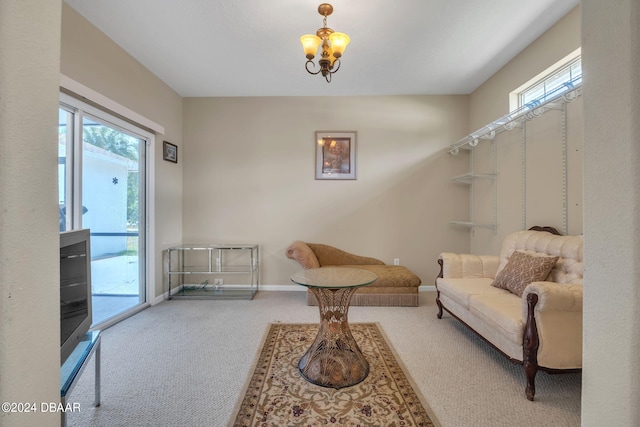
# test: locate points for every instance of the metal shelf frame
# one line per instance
(516, 119)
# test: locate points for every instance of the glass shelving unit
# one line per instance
(214, 271)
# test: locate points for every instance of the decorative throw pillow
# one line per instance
(523, 269)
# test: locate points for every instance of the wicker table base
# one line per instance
(334, 359)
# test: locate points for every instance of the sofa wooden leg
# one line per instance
(440, 275)
(439, 306)
(530, 347)
(530, 391)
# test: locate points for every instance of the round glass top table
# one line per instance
(334, 359)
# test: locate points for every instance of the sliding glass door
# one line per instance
(102, 187)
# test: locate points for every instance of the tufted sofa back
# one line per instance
(568, 269)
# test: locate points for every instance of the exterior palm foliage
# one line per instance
(123, 145)
(112, 140)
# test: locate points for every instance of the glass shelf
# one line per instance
(473, 224)
(468, 178)
(198, 269)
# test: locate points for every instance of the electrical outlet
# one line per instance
(396, 261)
(218, 282)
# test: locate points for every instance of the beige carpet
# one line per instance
(185, 363)
(277, 395)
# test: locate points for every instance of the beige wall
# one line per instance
(530, 186)
(491, 100)
(250, 177)
(611, 343)
(92, 59)
(29, 242)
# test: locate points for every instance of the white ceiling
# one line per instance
(252, 47)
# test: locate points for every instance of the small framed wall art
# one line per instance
(336, 155)
(169, 152)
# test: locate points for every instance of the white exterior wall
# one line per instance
(106, 201)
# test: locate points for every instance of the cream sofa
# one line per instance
(542, 329)
(396, 285)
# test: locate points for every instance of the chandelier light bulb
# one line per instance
(310, 44)
(339, 42)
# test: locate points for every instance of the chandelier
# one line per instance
(332, 43)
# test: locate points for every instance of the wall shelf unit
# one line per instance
(471, 178)
(517, 119)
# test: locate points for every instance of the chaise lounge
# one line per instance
(396, 285)
(527, 302)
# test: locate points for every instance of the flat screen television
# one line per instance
(75, 289)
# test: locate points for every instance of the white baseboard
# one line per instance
(158, 299)
(282, 288)
(292, 288)
(276, 288)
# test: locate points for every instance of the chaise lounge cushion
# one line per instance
(389, 276)
(328, 255)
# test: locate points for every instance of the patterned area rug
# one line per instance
(277, 395)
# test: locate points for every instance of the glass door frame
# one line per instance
(80, 110)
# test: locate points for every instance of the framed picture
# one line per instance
(336, 155)
(169, 152)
